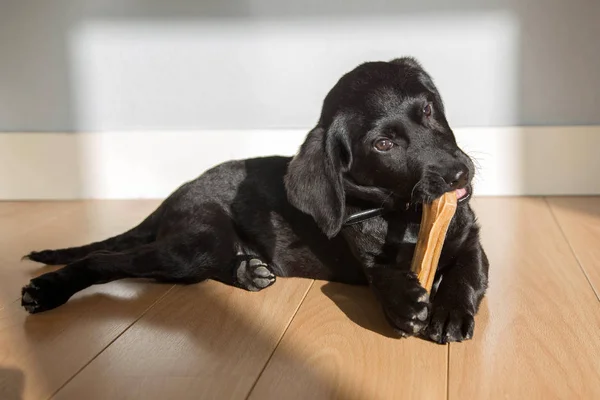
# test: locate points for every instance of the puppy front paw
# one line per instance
(253, 274)
(430, 187)
(409, 317)
(450, 324)
(405, 302)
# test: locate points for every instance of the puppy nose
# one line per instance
(457, 179)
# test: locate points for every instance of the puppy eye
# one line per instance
(383, 144)
(427, 110)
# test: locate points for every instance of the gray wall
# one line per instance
(68, 65)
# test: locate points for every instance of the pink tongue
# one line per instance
(460, 193)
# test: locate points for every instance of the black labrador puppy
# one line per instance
(346, 208)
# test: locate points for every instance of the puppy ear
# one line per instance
(314, 182)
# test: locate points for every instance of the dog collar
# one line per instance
(363, 216)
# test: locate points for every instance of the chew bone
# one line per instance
(432, 233)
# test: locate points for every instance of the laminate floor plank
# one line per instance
(579, 218)
(40, 353)
(203, 341)
(339, 346)
(537, 335)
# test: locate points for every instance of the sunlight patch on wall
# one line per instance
(245, 74)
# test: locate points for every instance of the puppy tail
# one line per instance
(144, 233)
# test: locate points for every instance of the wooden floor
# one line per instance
(537, 335)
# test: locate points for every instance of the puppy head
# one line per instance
(382, 130)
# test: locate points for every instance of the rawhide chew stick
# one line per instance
(432, 233)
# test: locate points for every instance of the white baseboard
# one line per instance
(123, 165)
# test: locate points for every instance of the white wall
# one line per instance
(74, 65)
(177, 86)
(275, 73)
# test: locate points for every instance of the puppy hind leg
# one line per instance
(231, 260)
(144, 233)
(172, 260)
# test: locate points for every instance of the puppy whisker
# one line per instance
(412, 193)
(390, 194)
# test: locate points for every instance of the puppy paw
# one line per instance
(48, 257)
(429, 188)
(408, 315)
(450, 324)
(405, 302)
(253, 274)
(42, 294)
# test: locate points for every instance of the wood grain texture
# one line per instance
(579, 218)
(203, 341)
(31, 226)
(49, 348)
(537, 335)
(19, 217)
(40, 353)
(339, 346)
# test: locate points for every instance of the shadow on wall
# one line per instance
(108, 65)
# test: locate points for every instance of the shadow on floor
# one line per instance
(12, 383)
(218, 325)
(360, 306)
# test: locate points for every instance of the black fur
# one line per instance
(245, 222)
